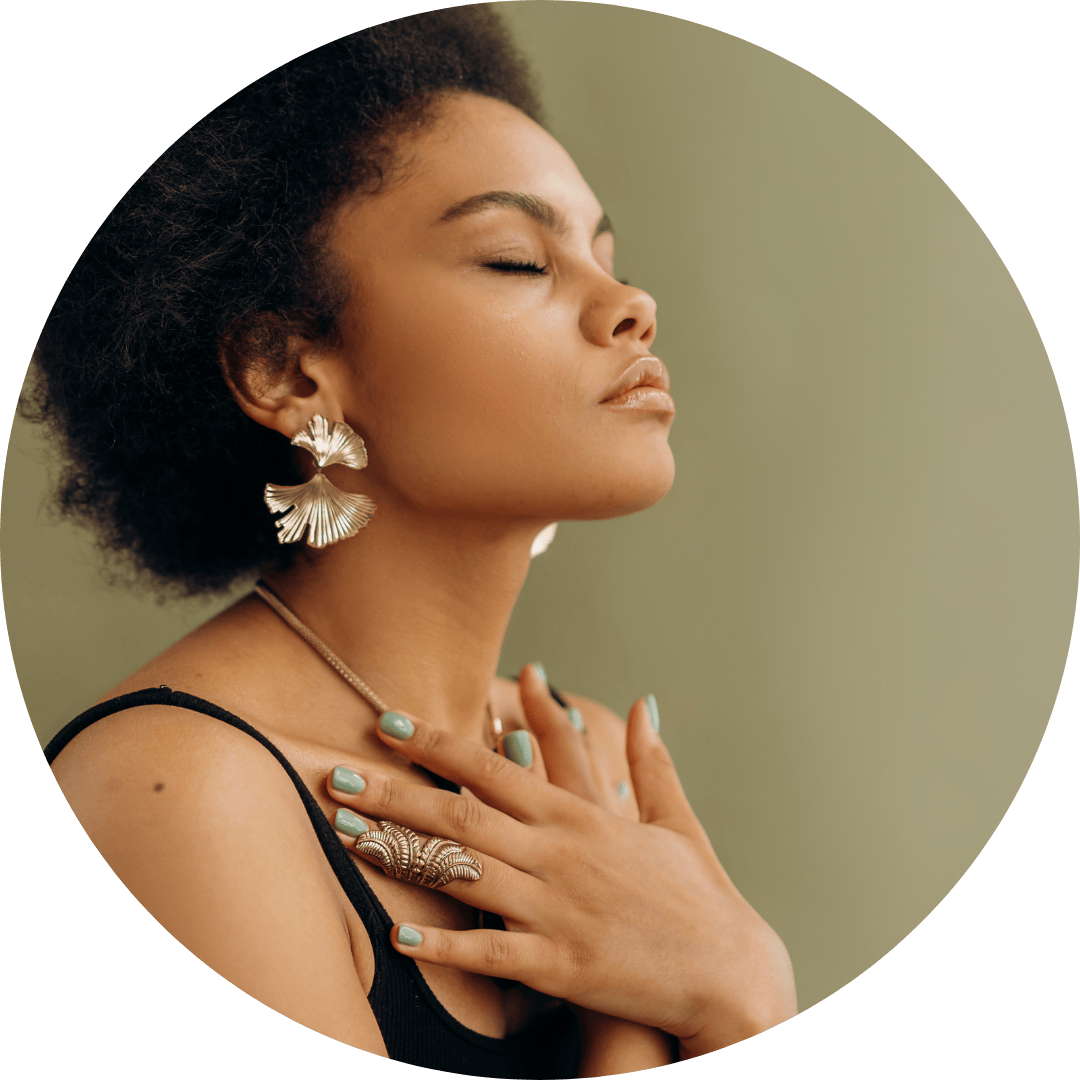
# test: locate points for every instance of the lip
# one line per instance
(645, 384)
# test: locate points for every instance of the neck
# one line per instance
(417, 607)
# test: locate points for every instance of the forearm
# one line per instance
(611, 1046)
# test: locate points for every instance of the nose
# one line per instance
(619, 313)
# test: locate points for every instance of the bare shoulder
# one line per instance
(178, 803)
(156, 759)
(206, 829)
(247, 661)
(166, 792)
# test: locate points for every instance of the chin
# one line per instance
(629, 489)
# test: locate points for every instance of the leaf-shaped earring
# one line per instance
(325, 511)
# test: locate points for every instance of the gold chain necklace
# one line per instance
(335, 661)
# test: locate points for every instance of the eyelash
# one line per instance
(513, 266)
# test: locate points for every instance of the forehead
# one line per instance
(475, 145)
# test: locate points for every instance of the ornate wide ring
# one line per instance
(437, 863)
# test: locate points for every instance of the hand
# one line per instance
(584, 755)
(634, 919)
(582, 748)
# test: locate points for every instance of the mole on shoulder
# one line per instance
(159, 787)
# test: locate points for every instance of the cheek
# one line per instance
(476, 403)
(468, 400)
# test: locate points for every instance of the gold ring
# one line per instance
(437, 863)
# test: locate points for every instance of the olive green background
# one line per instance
(855, 604)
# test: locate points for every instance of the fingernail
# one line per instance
(622, 789)
(575, 719)
(343, 779)
(349, 823)
(518, 748)
(540, 670)
(654, 712)
(392, 723)
(406, 935)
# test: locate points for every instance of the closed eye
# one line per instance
(515, 266)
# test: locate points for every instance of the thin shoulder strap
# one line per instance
(398, 986)
(156, 695)
(367, 904)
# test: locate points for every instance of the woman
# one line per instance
(367, 308)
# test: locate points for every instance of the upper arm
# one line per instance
(204, 827)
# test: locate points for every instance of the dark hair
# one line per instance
(217, 246)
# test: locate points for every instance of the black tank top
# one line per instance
(415, 1027)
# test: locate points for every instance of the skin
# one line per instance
(475, 354)
(626, 914)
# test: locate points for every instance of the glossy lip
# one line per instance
(645, 384)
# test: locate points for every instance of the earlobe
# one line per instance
(277, 378)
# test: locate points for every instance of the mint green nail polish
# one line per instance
(518, 748)
(392, 723)
(540, 671)
(622, 789)
(654, 712)
(349, 823)
(343, 779)
(575, 719)
(406, 935)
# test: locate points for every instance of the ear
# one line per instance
(278, 376)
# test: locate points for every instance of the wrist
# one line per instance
(727, 1022)
(759, 994)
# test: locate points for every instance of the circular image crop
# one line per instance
(843, 577)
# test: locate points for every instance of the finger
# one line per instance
(500, 888)
(660, 796)
(464, 818)
(526, 958)
(496, 780)
(566, 752)
(625, 804)
(522, 748)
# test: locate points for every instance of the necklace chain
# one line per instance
(323, 649)
(335, 661)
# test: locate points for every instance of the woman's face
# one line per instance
(484, 345)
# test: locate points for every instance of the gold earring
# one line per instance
(328, 513)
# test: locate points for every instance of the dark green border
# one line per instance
(986, 93)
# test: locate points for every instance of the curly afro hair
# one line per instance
(217, 247)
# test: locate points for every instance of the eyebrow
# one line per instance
(540, 210)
